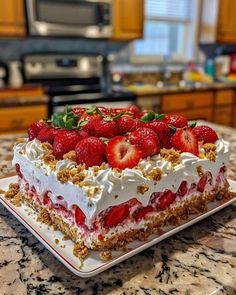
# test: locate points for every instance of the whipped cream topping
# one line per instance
(115, 187)
(63, 164)
(34, 150)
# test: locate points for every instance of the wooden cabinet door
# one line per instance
(12, 18)
(17, 119)
(226, 30)
(224, 115)
(186, 101)
(128, 19)
(224, 97)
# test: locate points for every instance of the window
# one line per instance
(169, 31)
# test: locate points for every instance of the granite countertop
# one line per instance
(200, 260)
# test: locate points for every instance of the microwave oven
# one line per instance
(85, 18)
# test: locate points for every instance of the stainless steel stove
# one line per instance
(74, 79)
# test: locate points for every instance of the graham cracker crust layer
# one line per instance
(153, 221)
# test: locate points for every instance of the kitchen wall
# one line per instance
(13, 49)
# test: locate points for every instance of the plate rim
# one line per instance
(106, 265)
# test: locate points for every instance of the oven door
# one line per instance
(87, 18)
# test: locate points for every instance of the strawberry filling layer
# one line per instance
(131, 210)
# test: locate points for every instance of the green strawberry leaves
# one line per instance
(94, 110)
(66, 119)
(117, 117)
(152, 116)
(193, 124)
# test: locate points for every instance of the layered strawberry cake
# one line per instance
(105, 177)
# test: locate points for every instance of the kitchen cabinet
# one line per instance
(223, 109)
(214, 105)
(192, 105)
(186, 101)
(128, 18)
(234, 117)
(218, 21)
(226, 29)
(19, 107)
(17, 119)
(12, 18)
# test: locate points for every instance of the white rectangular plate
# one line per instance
(93, 265)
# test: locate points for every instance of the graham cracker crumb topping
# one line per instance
(47, 146)
(211, 156)
(50, 160)
(63, 175)
(210, 150)
(209, 147)
(78, 178)
(201, 156)
(170, 155)
(142, 189)
(105, 255)
(92, 191)
(20, 140)
(155, 174)
(14, 195)
(80, 250)
(12, 191)
(200, 170)
(70, 156)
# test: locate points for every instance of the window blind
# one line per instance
(170, 10)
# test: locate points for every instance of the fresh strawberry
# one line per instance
(177, 121)
(34, 129)
(182, 189)
(106, 128)
(90, 151)
(147, 140)
(155, 197)
(140, 213)
(166, 200)
(117, 111)
(202, 183)
(18, 171)
(66, 141)
(62, 210)
(47, 134)
(133, 202)
(185, 140)
(121, 154)
(116, 215)
(127, 124)
(105, 111)
(134, 110)
(90, 126)
(79, 111)
(142, 114)
(162, 130)
(47, 200)
(79, 215)
(205, 134)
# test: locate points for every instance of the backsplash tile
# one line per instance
(13, 49)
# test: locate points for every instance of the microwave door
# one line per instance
(68, 18)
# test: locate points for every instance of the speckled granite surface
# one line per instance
(200, 260)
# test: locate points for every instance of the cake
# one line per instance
(106, 177)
